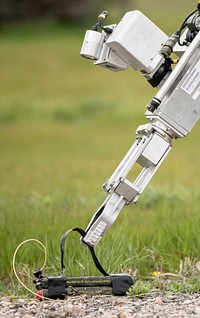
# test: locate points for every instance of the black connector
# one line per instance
(198, 6)
(154, 104)
(38, 273)
(160, 74)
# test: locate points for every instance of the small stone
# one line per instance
(196, 311)
(122, 315)
(4, 303)
(159, 301)
(6, 298)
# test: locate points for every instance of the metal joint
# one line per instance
(127, 190)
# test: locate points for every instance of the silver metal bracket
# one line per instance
(127, 190)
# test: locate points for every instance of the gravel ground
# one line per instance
(174, 305)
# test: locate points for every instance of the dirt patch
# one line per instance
(173, 305)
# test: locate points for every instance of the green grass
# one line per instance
(64, 127)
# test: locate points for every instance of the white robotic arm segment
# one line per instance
(149, 152)
(173, 111)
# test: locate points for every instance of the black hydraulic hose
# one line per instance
(183, 25)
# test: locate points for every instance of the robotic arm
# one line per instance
(172, 113)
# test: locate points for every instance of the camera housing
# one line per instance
(135, 41)
(92, 45)
(95, 48)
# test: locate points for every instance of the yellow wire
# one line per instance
(44, 264)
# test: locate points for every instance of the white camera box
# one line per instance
(137, 40)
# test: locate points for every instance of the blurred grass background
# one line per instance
(64, 127)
